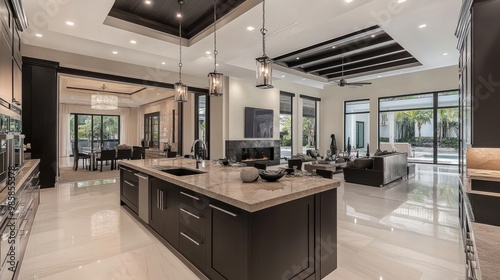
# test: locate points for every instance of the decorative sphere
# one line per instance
(249, 174)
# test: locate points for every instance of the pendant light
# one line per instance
(264, 63)
(215, 80)
(181, 90)
(103, 101)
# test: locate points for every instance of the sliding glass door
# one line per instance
(94, 132)
(357, 125)
(423, 125)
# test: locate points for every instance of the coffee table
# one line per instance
(335, 167)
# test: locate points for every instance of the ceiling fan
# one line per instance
(343, 82)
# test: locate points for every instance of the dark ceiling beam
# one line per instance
(322, 45)
(358, 44)
(409, 62)
(366, 63)
(356, 58)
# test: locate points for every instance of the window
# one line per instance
(309, 123)
(357, 125)
(202, 127)
(286, 124)
(428, 122)
(94, 132)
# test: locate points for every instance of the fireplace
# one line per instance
(252, 151)
(257, 154)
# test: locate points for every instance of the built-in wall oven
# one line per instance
(6, 157)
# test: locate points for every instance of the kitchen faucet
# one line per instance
(197, 157)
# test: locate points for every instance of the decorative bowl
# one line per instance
(272, 175)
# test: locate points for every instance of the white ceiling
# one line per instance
(292, 24)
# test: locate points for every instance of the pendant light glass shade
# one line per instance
(181, 92)
(264, 72)
(102, 101)
(215, 80)
(215, 84)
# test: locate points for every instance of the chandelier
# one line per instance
(215, 83)
(102, 101)
(181, 90)
(264, 63)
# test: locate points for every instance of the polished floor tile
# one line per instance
(407, 230)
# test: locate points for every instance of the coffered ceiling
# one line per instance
(293, 25)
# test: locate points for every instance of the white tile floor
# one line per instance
(408, 230)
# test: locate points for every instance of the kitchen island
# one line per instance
(228, 229)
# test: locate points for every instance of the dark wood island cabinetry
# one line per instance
(231, 230)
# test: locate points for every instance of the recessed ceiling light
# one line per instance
(422, 26)
(333, 47)
(208, 52)
(163, 62)
(217, 64)
(379, 76)
(298, 58)
(373, 36)
(179, 15)
(445, 53)
(283, 76)
(133, 41)
(250, 28)
(147, 2)
(70, 23)
(401, 1)
(348, 1)
(115, 52)
(38, 35)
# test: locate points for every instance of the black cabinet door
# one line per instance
(226, 242)
(164, 210)
(486, 73)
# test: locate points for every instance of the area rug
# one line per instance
(68, 175)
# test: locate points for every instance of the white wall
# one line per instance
(333, 98)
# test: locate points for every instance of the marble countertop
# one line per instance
(21, 176)
(223, 183)
(482, 174)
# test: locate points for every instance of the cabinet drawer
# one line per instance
(192, 246)
(192, 199)
(129, 175)
(192, 218)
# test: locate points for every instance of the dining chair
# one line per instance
(295, 163)
(122, 154)
(328, 174)
(262, 166)
(137, 153)
(77, 156)
(106, 155)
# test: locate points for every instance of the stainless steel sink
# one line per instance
(181, 171)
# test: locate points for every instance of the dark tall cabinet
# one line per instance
(40, 111)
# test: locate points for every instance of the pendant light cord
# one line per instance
(180, 41)
(263, 30)
(215, 37)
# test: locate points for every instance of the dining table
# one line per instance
(93, 155)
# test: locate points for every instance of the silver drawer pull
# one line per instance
(125, 169)
(189, 213)
(222, 210)
(141, 176)
(128, 183)
(190, 239)
(191, 196)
